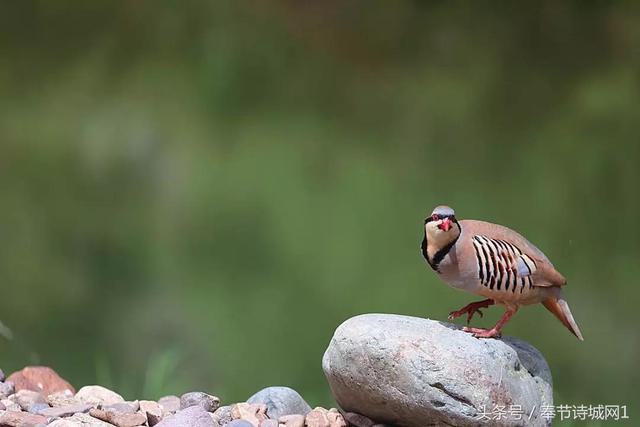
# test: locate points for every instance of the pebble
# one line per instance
(357, 420)
(62, 398)
(169, 404)
(152, 410)
(21, 419)
(317, 418)
(64, 411)
(41, 379)
(37, 407)
(35, 403)
(193, 416)
(119, 419)
(10, 405)
(294, 420)
(208, 402)
(222, 415)
(281, 401)
(6, 389)
(239, 423)
(336, 419)
(84, 420)
(26, 398)
(123, 407)
(66, 422)
(254, 413)
(97, 395)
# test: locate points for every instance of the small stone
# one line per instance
(10, 405)
(317, 418)
(26, 398)
(64, 411)
(169, 404)
(208, 402)
(193, 416)
(122, 407)
(62, 398)
(21, 419)
(86, 420)
(281, 401)
(357, 420)
(336, 419)
(254, 413)
(2, 407)
(65, 422)
(294, 420)
(97, 395)
(239, 423)
(37, 407)
(152, 410)
(6, 389)
(222, 415)
(119, 419)
(269, 423)
(41, 379)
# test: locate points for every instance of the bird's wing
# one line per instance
(520, 255)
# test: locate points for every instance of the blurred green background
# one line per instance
(194, 195)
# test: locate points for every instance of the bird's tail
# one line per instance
(559, 307)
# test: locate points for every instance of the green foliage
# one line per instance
(231, 180)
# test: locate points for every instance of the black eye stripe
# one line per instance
(436, 217)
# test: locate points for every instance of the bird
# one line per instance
(495, 262)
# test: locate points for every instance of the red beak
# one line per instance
(445, 224)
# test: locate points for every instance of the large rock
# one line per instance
(415, 372)
(280, 401)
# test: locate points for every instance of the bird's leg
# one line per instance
(496, 330)
(471, 309)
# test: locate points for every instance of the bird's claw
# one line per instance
(483, 333)
(470, 312)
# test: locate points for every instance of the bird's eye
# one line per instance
(435, 217)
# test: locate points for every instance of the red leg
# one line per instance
(496, 330)
(471, 309)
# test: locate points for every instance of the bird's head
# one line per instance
(441, 227)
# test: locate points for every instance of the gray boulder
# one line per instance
(280, 401)
(415, 372)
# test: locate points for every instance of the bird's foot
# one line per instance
(483, 333)
(470, 310)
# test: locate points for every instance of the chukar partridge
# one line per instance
(495, 262)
